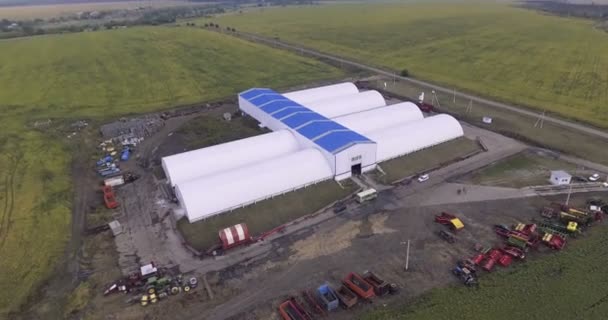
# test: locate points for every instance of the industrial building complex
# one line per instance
(331, 132)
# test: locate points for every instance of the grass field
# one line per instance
(571, 284)
(265, 215)
(424, 160)
(521, 170)
(546, 62)
(97, 76)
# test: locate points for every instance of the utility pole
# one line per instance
(407, 257)
(454, 95)
(469, 107)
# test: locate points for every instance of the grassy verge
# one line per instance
(206, 131)
(511, 54)
(520, 170)
(426, 159)
(511, 124)
(265, 215)
(100, 75)
(570, 284)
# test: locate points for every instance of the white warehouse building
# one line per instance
(324, 133)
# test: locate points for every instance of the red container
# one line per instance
(234, 236)
(505, 260)
(359, 286)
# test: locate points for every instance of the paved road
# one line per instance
(572, 125)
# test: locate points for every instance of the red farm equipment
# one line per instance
(449, 220)
(491, 259)
(514, 252)
(359, 286)
(109, 198)
(313, 303)
(554, 241)
(290, 309)
(380, 286)
(347, 298)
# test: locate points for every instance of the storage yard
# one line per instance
(230, 216)
(288, 181)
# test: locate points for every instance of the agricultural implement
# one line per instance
(558, 228)
(347, 298)
(491, 259)
(380, 286)
(291, 310)
(465, 275)
(313, 303)
(447, 236)
(328, 297)
(358, 285)
(514, 252)
(450, 220)
(554, 241)
(109, 198)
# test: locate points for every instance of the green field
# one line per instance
(265, 215)
(545, 62)
(428, 159)
(521, 170)
(571, 284)
(96, 76)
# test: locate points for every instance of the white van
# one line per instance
(367, 195)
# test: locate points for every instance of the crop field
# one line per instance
(64, 9)
(571, 284)
(97, 76)
(510, 54)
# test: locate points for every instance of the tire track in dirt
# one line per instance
(9, 202)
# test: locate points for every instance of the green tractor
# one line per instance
(155, 285)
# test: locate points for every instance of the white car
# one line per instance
(605, 184)
(594, 177)
(423, 178)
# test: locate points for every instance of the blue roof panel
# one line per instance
(278, 105)
(326, 133)
(339, 140)
(288, 111)
(301, 118)
(254, 92)
(319, 128)
(265, 98)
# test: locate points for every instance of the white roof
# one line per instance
(231, 189)
(346, 104)
(381, 118)
(410, 137)
(197, 163)
(321, 93)
(561, 173)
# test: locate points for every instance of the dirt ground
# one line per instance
(372, 238)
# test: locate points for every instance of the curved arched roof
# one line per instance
(411, 137)
(321, 93)
(231, 189)
(347, 104)
(193, 164)
(381, 118)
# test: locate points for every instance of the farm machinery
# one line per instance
(466, 272)
(450, 220)
(353, 289)
(152, 284)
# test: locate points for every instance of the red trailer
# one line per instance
(234, 236)
(289, 312)
(359, 286)
(380, 286)
(109, 198)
